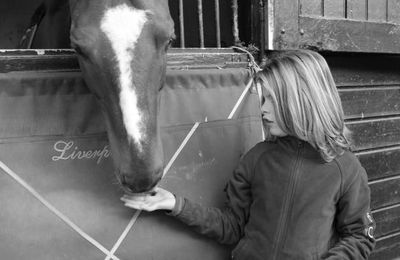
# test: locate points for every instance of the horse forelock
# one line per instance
(123, 26)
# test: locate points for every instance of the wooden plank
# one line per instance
(372, 134)
(377, 10)
(387, 221)
(381, 163)
(362, 69)
(385, 193)
(334, 8)
(387, 249)
(286, 25)
(206, 58)
(32, 60)
(66, 60)
(394, 11)
(311, 7)
(370, 102)
(387, 234)
(357, 10)
(344, 35)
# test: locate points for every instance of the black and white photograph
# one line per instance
(199, 129)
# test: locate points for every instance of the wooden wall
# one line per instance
(371, 26)
(369, 87)
(361, 10)
(360, 39)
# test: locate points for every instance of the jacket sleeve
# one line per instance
(354, 223)
(226, 225)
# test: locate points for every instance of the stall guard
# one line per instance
(52, 137)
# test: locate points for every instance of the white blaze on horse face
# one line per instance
(123, 26)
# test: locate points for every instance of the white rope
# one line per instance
(124, 234)
(179, 150)
(240, 100)
(55, 210)
(254, 68)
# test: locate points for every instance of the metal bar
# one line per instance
(262, 28)
(235, 29)
(201, 23)
(217, 24)
(181, 24)
(270, 23)
(387, 10)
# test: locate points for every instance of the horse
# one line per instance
(121, 47)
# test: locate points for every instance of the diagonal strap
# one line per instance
(55, 210)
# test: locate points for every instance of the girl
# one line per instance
(301, 194)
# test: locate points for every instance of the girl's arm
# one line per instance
(354, 223)
(225, 225)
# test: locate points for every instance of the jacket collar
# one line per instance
(295, 144)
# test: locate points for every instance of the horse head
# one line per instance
(121, 47)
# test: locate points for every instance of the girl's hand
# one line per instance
(150, 201)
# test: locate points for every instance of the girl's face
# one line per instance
(268, 116)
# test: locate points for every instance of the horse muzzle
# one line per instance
(131, 183)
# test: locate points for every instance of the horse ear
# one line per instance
(37, 17)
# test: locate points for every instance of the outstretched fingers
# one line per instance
(150, 201)
(140, 202)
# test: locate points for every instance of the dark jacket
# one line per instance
(284, 202)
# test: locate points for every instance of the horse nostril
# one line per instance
(136, 184)
(122, 180)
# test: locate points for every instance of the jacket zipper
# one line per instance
(286, 203)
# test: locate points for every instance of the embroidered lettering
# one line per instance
(68, 151)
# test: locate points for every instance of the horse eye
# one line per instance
(171, 40)
(169, 44)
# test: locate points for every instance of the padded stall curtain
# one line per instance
(52, 136)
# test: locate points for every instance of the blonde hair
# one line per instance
(306, 100)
